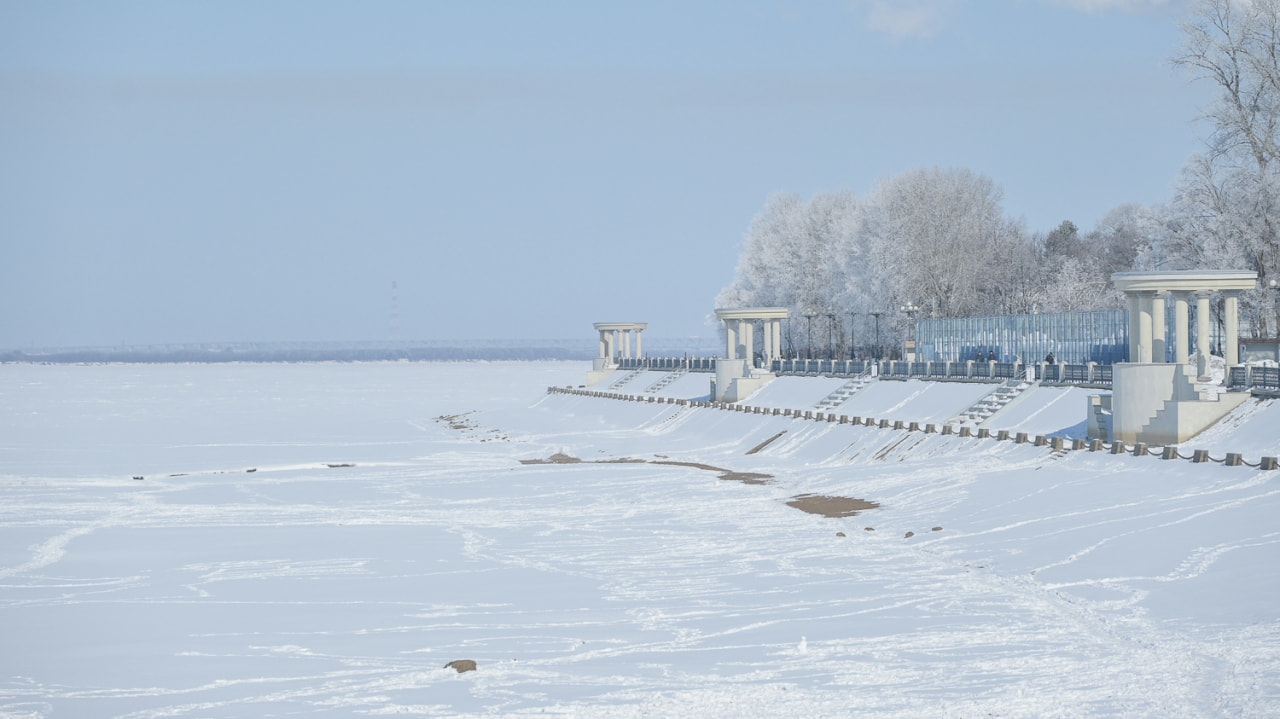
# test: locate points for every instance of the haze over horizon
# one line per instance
(238, 172)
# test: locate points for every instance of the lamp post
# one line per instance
(1275, 331)
(877, 347)
(853, 335)
(910, 309)
(831, 334)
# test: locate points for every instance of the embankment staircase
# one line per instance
(986, 407)
(844, 392)
(626, 378)
(670, 377)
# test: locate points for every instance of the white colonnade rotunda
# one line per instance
(1147, 294)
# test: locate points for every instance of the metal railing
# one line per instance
(689, 364)
(1249, 377)
(840, 368)
(1242, 377)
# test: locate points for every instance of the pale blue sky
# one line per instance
(250, 171)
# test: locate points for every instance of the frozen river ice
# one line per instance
(321, 539)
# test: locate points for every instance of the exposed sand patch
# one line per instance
(745, 477)
(834, 507)
(557, 458)
(729, 474)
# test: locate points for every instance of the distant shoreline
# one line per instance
(423, 354)
(438, 351)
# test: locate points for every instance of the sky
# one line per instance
(253, 172)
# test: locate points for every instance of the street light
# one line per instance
(853, 335)
(831, 333)
(910, 309)
(1274, 310)
(877, 347)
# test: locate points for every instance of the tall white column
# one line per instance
(1157, 328)
(767, 327)
(731, 339)
(1232, 328)
(777, 339)
(1202, 335)
(748, 342)
(1181, 330)
(604, 345)
(613, 345)
(1135, 308)
(638, 352)
(1144, 327)
(626, 343)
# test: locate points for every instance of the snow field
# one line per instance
(1058, 585)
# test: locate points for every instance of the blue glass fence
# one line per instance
(1073, 337)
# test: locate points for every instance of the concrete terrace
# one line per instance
(1049, 411)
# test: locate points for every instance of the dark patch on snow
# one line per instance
(729, 474)
(834, 507)
(765, 443)
(557, 458)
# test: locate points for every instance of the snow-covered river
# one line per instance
(321, 539)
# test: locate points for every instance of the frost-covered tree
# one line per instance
(1228, 202)
(1075, 286)
(1063, 243)
(934, 238)
(800, 255)
(1121, 234)
(1233, 44)
(1018, 280)
(940, 240)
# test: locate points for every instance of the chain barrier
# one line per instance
(1266, 463)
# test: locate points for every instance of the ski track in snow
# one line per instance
(1058, 585)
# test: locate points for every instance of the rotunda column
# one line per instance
(1135, 308)
(1202, 335)
(1144, 326)
(1181, 330)
(1157, 327)
(1231, 351)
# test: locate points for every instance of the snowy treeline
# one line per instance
(933, 238)
(938, 238)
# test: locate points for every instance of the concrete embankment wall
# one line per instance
(882, 437)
